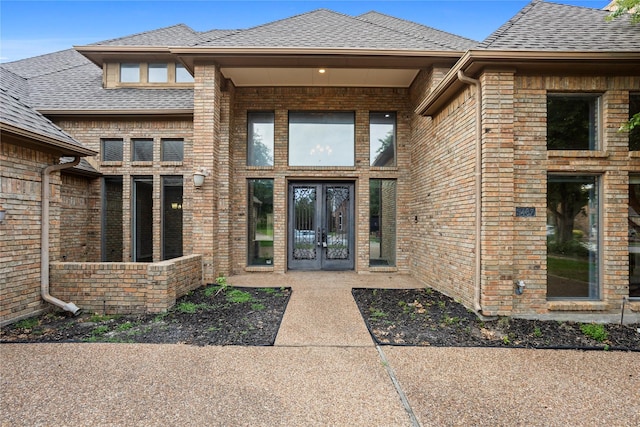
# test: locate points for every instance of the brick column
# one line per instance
(206, 115)
(497, 192)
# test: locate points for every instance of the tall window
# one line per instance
(171, 217)
(112, 149)
(142, 213)
(157, 73)
(382, 222)
(260, 221)
(572, 122)
(634, 236)
(321, 138)
(260, 135)
(142, 150)
(572, 237)
(112, 225)
(382, 139)
(634, 134)
(129, 73)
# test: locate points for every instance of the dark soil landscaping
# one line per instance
(252, 316)
(207, 316)
(424, 317)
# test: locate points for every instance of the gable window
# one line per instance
(172, 150)
(142, 150)
(634, 134)
(260, 135)
(572, 121)
(157, 73)
(129, 73)
(182, 75)
(382, 139)
(112, 149)
(572, 237)
(321, 138)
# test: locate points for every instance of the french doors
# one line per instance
(321, 226)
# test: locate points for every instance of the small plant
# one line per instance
(256, 306)
(377, 313)
(428, 291)
(442, 305)
(269, 291)
(98, 318)
(506, 340)
(125, 326)
(537, 332)
(595, 331)
(28, 323)
(187, 307)
(100, 331)
(447, 320)
(503, 323)
(236, 296)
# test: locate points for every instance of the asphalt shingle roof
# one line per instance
(325, 29)
(556, 27)
(446, 40)
(176, 35)
(18, 114)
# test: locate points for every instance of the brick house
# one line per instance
(367, 143)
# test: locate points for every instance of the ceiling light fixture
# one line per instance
(322, 70)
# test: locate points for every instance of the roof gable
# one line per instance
(323, 29)
(546, 26)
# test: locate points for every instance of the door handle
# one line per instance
(324, 238)
(318, 237)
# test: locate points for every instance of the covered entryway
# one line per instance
(321, 226)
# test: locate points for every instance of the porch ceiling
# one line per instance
(344, 77)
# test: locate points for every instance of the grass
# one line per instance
(28, 323)
(236, 296)
(377, 313)
(187, 307)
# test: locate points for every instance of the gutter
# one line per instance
(44, 244)
(478, 181)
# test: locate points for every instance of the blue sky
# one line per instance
(30, 28)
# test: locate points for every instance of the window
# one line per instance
(171, 217)
(182, 75)
(260, 138)
(572, 122)
(382, 139)
(572, 237)
(142, 150)
(634, 134)
(634, 236)
(112, 149)
(260, 221)
(382, 222)
(129, 73)
(172, 150)
(142, 219)
(321, 139)
(157, 73)
(112, 224)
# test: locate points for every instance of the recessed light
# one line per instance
(322, 71)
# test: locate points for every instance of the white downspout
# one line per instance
(44, 244)
(478, 175)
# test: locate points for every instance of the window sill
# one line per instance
(111, 163)
(324, 168)
(170, 163)
(577, 305)
(383, 269)
(259, 168)
(586, 154)
(146, 164)
(258, 269)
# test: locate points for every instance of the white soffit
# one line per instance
(346, 77)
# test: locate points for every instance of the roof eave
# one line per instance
(99, 55)
(65, 148)
(176, 112)
(473, 61)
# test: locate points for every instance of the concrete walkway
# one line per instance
(341, 379)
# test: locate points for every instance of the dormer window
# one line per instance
(146, 75)
(182, 75)
(157, 73)
(129, 73)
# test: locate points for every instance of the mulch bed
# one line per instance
(425, 317)
(233, 316)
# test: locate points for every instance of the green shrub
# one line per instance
(595, 331)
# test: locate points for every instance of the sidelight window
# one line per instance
(382, 139)
(382, 222)
(260, 221)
